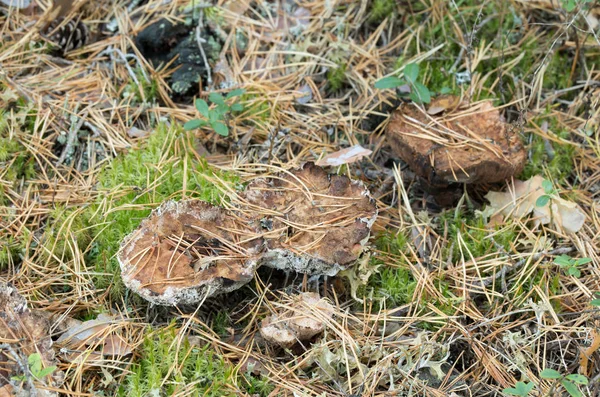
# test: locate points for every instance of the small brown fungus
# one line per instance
(186, 251)
(454, 143)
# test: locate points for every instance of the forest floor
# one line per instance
(448, 299)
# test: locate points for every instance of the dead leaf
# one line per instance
(87, 332)
(344, 156)
(135, 132)
(443, 103)
(520, 200)
(6, 391)
(115, 345)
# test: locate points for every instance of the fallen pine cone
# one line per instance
(69, 35)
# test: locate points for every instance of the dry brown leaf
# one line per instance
(344, 156)
(6, 391)
(115, 345)
(87, 332)
(520, 200)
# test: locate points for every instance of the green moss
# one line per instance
(475, 238)
(10, 249)
(381, 9)
(336, 77)
(557, 165)
(167, 368)
(66, 229)
(138, 182)
(145, 92)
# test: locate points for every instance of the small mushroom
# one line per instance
(24, 332)
(312, 222)
(456, 144)
(302, 320)
(186, 251)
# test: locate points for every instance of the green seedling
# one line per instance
(571, 265)
(521, 389)
(36, 368)
(419, 93)
(596, 301)
(569, 382)
(218, 115)
(570, 5)
(549, 193)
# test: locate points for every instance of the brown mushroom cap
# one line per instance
(312, 222)
(187, 250)
(468, 146)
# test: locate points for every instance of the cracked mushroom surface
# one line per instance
(311, 222)
(186, 251)
(453, 143)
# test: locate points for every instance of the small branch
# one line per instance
(72, 137)
(200, 40)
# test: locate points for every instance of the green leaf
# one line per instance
(583, 261)
(237, 107)
(595, 302)
(35, 362)
(193, 124)
(45, 372)
(521, 389)
(236, 92)
(420, 93)
(542, 200)
(445, 90)
(411, 72)
(220, 128)
(550, 374)
(221, 109)
(571, 388)
(577, 378)
(547, 186)
(202, 107)
(570, 5)
(389, 82)
(216, 98)
(573, 271)
(563, 260)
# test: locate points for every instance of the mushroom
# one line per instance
(452, 144)
(186, 251)
(302, 320)
(312, 222)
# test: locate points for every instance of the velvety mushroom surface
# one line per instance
(452, 142)
(312, 222)
(186, 251)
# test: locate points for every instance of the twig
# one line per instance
(200, 40)
(76, 123)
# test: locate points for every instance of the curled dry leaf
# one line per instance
(301, 321)
(25, 332)
(312, 222)
(96, 333)
(344, 156)
(185, 251)
(461, 145)
(520, 200)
